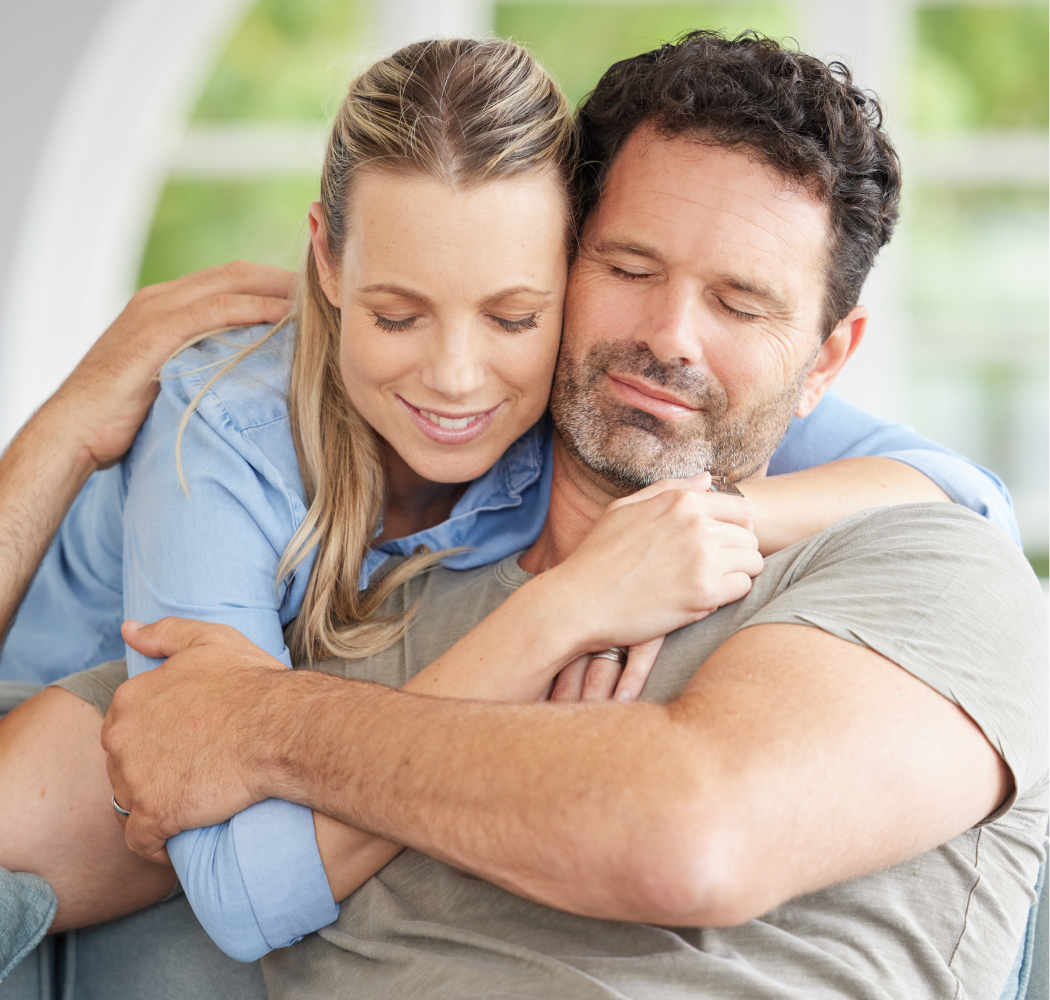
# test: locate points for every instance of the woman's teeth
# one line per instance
(450, 423)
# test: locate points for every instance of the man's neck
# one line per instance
(578, 499)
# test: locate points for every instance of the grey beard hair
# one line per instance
(630, 449)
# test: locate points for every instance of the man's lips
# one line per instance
(450, 428)
(652, 399)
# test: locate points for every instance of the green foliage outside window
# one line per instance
(982, 67)
(290, 59)
(577, 42)
(200, 224)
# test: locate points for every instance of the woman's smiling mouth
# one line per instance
(450, 428)
(453, 423)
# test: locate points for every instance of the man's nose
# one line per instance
(672, 328)
(455, 366)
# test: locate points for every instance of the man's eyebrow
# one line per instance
(607, 248)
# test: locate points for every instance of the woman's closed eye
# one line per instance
(393, 325)
(516, 325)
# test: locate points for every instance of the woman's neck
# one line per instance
(414, 503)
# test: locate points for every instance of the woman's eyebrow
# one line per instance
(507, 293)
(489, 300)
(405, 293)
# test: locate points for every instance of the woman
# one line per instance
(426, 338)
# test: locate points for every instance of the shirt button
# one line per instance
(421, 550)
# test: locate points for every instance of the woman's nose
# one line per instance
(456, 366)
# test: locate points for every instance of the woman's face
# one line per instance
(451, 307)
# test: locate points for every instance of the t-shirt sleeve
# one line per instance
(257, 882)
(946, 596)
(836, 429)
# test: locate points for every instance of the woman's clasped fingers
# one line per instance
(568, 685)
(602, 676)
(641, 658)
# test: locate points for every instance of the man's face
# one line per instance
(692, 316)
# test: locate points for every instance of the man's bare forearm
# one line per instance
(672, 814)
(793, 760)
(553, 802)
(40, 475)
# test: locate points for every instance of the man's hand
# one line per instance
(179, 737)
(93, 418)
(104, 401)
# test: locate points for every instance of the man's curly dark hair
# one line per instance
(802, 117)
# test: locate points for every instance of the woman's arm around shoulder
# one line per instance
(840, 460)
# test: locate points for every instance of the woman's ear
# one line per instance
(833, 354)
(319, 240)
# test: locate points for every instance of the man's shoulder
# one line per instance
(927, 549)
(441, 587)
(932, 586)
(945, 595)
(914, 566)
(907, 530)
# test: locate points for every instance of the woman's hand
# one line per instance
(591, 678)
(654, 562)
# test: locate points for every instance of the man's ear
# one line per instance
(833, 354)
(319, 240)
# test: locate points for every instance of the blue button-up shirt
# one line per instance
(135, 545)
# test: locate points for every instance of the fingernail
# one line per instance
(132, 625)
(624, 696)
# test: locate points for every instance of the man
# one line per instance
(834, 786)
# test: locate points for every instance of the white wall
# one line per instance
(92, 146)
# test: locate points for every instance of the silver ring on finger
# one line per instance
(120, 810)
(617, 653)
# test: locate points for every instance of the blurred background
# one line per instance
(147, 138)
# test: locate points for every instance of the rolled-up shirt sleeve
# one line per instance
(255, 882)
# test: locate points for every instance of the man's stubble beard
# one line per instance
(630, 449)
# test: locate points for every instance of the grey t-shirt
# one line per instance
(932, 587)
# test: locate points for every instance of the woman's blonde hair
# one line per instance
(462, 111)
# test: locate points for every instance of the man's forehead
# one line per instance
(671, 185)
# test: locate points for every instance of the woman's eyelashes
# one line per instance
(510, 325)
(516, 325)
(393, 325)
